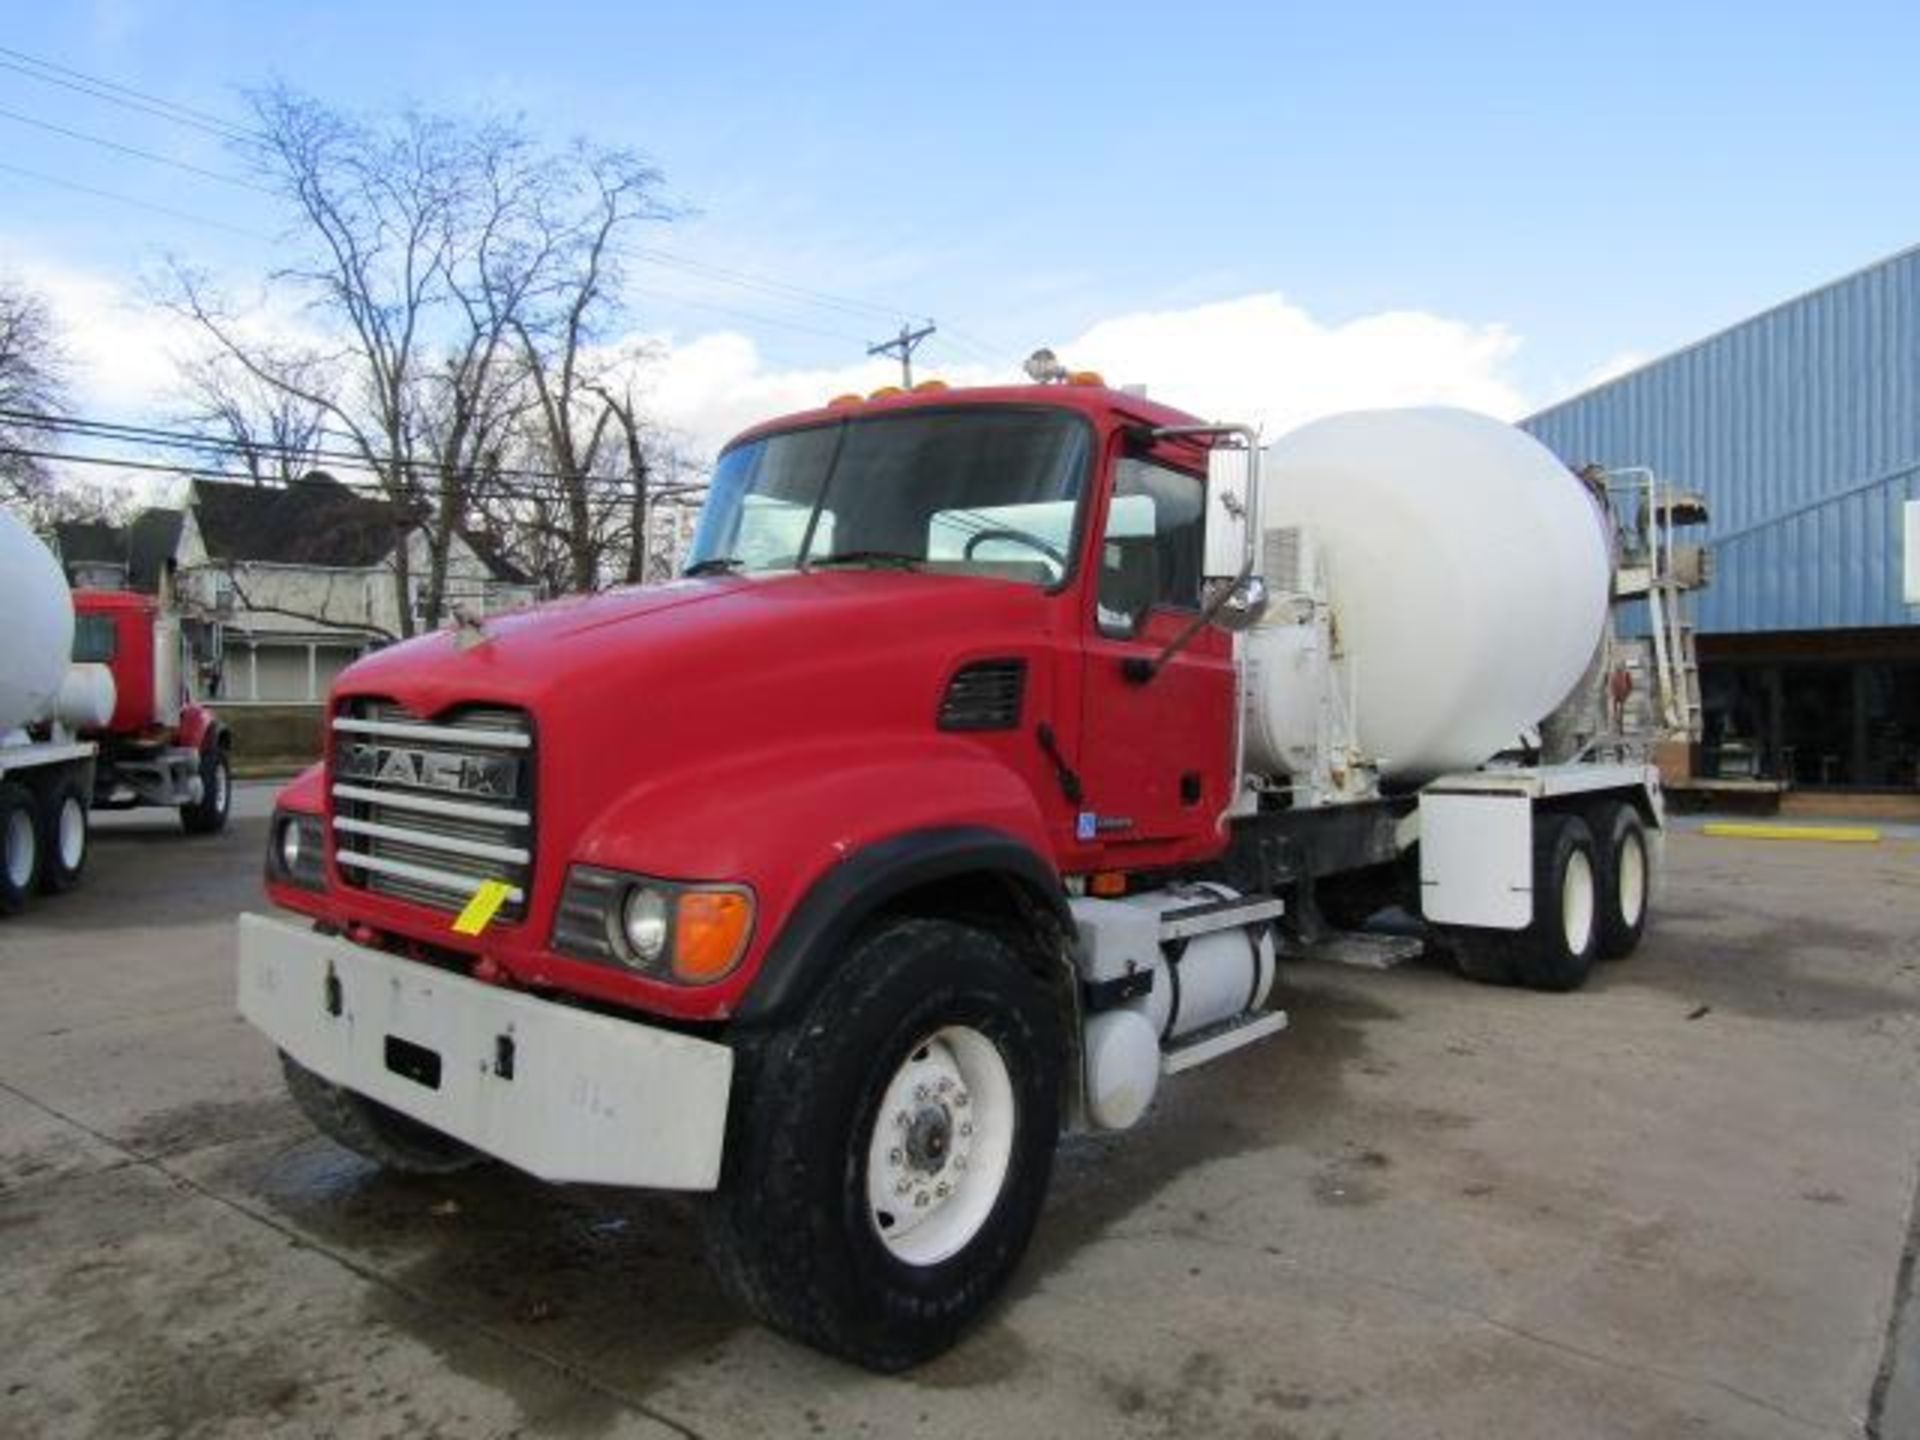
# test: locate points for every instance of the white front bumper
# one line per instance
(565, 1094)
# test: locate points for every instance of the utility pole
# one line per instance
(903, 345)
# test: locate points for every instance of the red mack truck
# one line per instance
(992, 750)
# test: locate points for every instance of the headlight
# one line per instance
(643, 923)
(689, 934)
(295, 846)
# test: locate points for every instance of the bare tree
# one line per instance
(270, 432)
(470, 276)
(586, 425)
(32, 393)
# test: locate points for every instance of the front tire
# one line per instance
(19, 848)
(208, 814)
(371, 1130)
(891, 1148)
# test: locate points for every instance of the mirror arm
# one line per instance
(1139, 669)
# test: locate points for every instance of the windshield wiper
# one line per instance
(900, 560)
(714, 565)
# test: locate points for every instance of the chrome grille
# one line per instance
(425, 810)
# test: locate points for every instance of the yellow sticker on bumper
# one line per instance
(481, 909)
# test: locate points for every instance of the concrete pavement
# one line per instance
(1675, 1204)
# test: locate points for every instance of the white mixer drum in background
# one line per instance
(36, 611)
(1466, 569)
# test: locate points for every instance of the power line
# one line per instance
(99, 91)
(105, 84)
(494, 482)
(114, 195)
(474, 492)
(99, 88)
(107, 144)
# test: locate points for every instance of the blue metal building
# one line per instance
(1801, 426)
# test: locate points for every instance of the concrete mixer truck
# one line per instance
(93, 713)
(995, 749)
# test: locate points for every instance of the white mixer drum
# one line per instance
(36, 610)
(1467, 571)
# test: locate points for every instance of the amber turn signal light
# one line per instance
(711, 930)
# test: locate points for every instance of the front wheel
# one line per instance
(208, 814)
(371, 1130)
(892, 1147)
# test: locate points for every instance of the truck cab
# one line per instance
(160, 746)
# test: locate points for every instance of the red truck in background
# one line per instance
(933, 813)
(95, 713)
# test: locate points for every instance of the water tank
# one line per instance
(1466, 570)
(36, 610)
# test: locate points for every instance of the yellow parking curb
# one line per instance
(1837, 834)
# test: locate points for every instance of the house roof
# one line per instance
(313, 521)
(90, 541)
(490, 554)
(142, 550)
(152, 541)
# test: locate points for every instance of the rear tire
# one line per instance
(208, 814)
(891, 1147)
(19, 848)
(1625, 876)
(1557, 950)
(391, 1140)
(66, 838)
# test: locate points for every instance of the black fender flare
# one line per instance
(817, 931)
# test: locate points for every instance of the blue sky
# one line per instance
(1563, 189)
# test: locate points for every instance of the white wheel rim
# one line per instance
(941, 1146)
(1576, 902)
(72, 834)
(220, 786)
(1633, 879)
(21, 849)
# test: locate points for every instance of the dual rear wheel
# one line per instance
(1591, 878)
(44, 839)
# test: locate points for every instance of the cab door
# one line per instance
(1156, 757)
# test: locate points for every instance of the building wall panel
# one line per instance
(1802, 428)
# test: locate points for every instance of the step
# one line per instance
(1211, 915)
(1222, 1039)
(1364, 950)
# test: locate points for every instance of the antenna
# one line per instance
(903, 345)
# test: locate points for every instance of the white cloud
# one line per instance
(122, 352)
(1258, 357)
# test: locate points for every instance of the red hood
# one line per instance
(665, 643)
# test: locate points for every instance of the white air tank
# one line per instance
(1467, 574)
(36, 626)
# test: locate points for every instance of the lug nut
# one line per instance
(920, 1200)
(894, 1156)
(966, 1127)
(903, 1187)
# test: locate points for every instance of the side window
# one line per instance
(94, 639)
(1151, 553)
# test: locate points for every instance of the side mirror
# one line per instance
(1231, 601)
(1229, 476)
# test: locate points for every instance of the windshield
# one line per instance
(977, 492)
